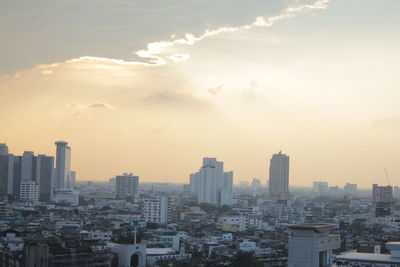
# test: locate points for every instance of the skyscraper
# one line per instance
(211, 184)
(63, 161)
(3, 149)
(279, 176)
(45, 176)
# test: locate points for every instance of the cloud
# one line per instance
(154, 51)
(175, 99)
(215, 90)
(92, 105)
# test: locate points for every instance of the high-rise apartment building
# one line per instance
(29, 191)
(127, 185)
(157, 210)
(350, 189)
(15, 170)
(45, 177)
(3, 149)
(6, 173)
(321, 188)
(382, 194)
(256, 184)
(211, 184)
(279, 176)
(63, 165)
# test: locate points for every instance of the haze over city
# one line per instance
(152, 87)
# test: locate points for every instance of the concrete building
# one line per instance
(28, 166)
(256, 184)
(211, 184)
(350, 189)
(311, 245)
(3, 149)
(29, 191)
(279, 176)
(63, 165)
(6, 174)
(127, 185)
(45, 177)
(349, 259)
(320, 188)
(157, 210)
(382, 194)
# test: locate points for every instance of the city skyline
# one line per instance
(314, 78)
(281, 171)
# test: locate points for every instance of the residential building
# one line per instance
(157, 209)
(29, 191)
(382, 194)
(127, 185)
(321, 188)
(63, 164)
(211, 184)
(350, 189)
(279, 176)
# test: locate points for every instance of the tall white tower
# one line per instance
(211, 184)
(63, 163)
(279, 176)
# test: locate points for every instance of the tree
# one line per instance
(245, 259)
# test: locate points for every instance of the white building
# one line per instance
(211, 184)
(127, 185)
(279, 176)
(157, 210)
(29, 191)
(349, 259)
(311, 245)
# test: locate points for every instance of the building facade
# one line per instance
(279, 177)
(157, 210)
(211, 184)
(127, 185)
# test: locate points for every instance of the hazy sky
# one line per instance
(152, 86)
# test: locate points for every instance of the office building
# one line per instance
(279, 177)
(45, 177)
(127, 185)
(63, 164)
(311, 245)
(157, 210)
(211, 184)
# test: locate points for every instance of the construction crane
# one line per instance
(387, 176)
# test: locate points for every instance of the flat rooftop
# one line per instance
(368, 258)
(312, 226)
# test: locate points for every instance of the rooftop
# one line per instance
(368, 257)
(312, 226)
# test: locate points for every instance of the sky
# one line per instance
(153, 86)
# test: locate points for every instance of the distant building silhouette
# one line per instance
(279, 176)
